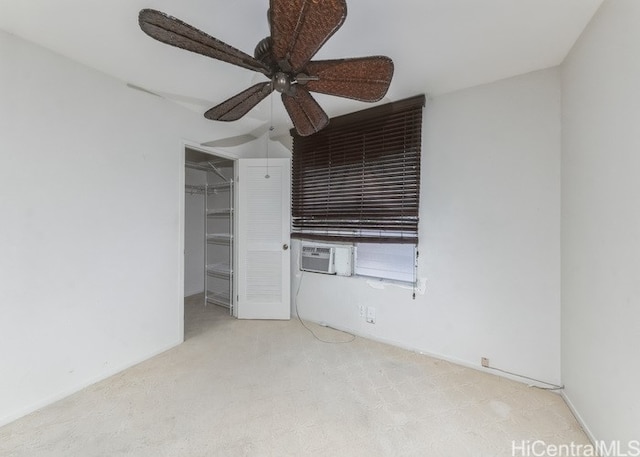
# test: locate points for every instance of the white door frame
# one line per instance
(181, 215)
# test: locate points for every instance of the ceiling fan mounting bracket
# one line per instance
(303, 79)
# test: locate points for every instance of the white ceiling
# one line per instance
(437, 46)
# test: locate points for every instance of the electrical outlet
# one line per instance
(363, 313)
(484, 362)
(371, 315)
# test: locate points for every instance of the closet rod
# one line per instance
(209, 166)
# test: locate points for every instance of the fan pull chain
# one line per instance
(269, 134)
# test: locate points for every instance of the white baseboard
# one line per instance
(466, 364)
(417, 350)
(579, 418)
(78, 387)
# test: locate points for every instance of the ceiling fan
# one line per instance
(299, 28)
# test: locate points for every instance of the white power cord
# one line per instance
(353, 337)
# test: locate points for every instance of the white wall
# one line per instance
(601, 223)
(90, 179)
(194, 235)
(490, 237)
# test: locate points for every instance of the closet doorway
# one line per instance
(209, 229)
(237, 235)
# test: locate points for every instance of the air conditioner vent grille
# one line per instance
(318, 259)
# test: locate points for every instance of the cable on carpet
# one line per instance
(353, 337)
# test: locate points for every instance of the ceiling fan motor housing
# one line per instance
(280, 80)
(263, 52)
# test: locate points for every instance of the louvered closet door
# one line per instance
(263, 215)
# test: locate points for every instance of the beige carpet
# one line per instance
(251, 388)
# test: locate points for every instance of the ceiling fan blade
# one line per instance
(299, 28)
(174, 32)
(365, 78)
(307, 116)
(240, 104)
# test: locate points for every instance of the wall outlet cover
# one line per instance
(371, 315)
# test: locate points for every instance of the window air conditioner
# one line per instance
(318, 259)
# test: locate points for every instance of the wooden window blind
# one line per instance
(358, 179)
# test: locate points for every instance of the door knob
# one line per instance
(285, 247)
